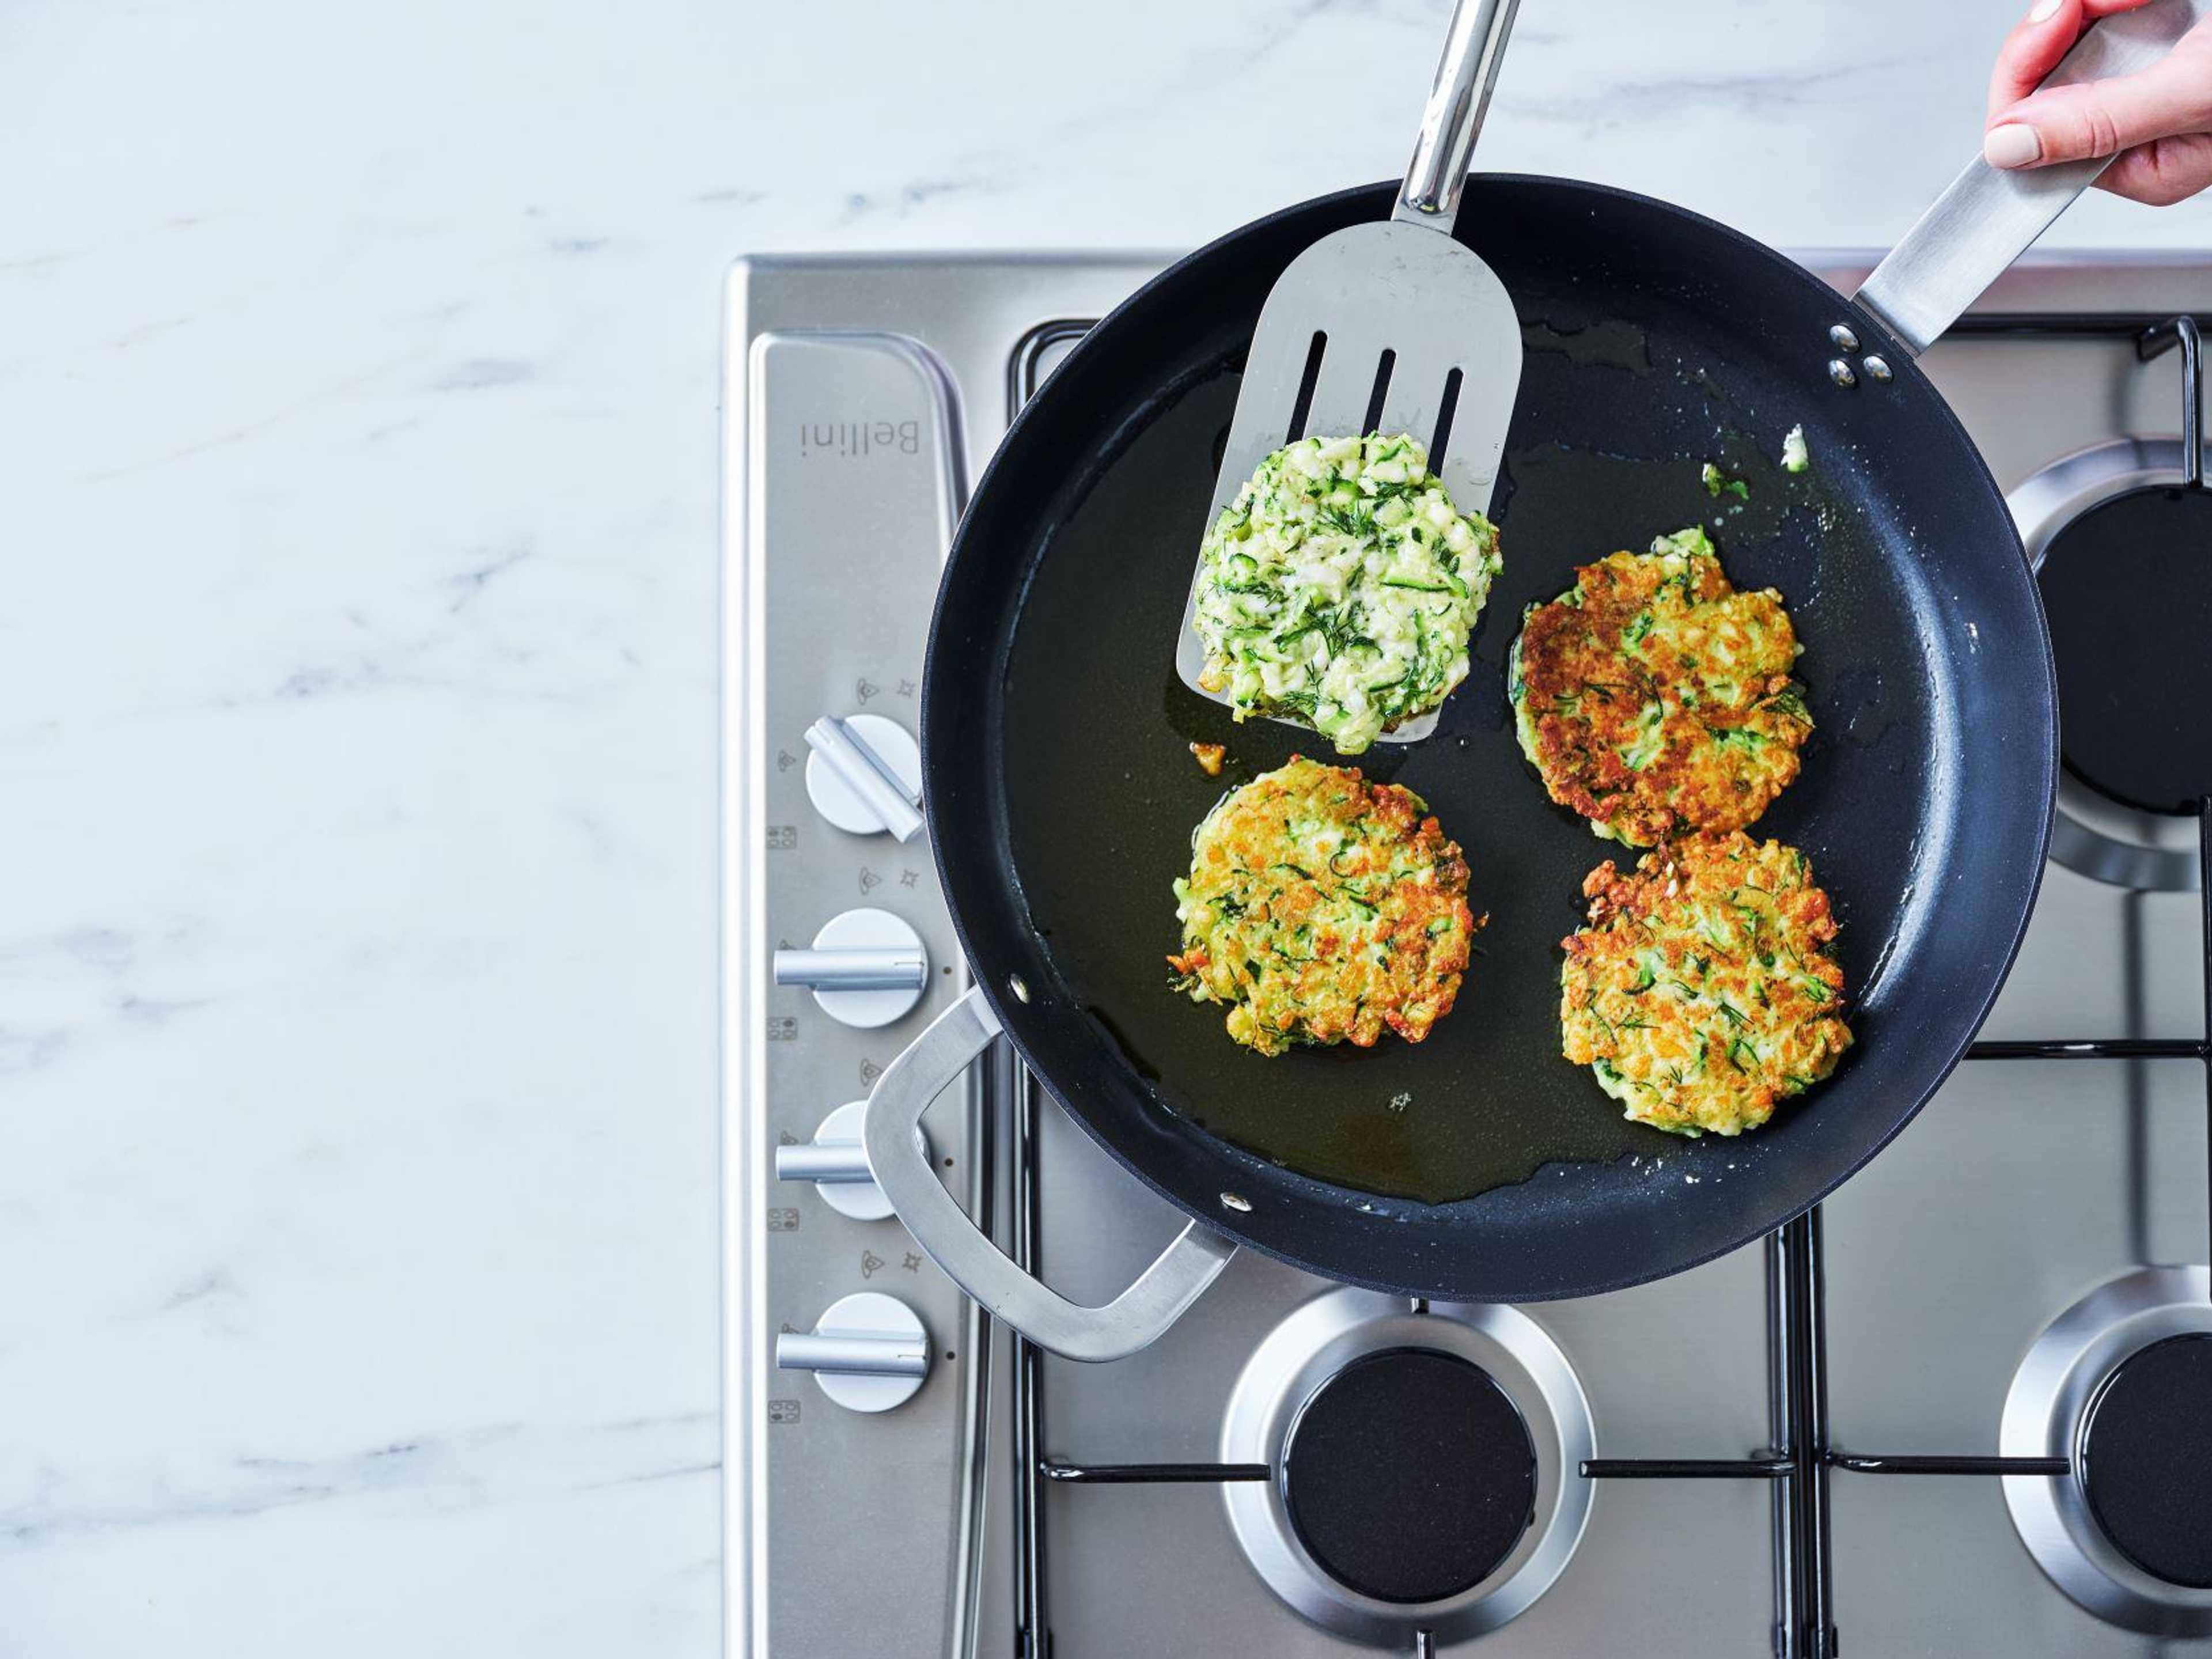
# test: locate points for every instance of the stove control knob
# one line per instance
(868, 1352)
(864, 776)
(838, 1164)
(865, 967)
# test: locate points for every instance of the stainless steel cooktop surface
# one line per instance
(1911, 1424)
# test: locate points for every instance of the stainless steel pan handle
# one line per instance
(1457, 102)
(1134, 1320)
(1991, 216)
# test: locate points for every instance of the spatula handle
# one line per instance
(1457, 103)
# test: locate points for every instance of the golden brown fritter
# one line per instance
(1702, 992)
(1321, 908)
(1653, 698)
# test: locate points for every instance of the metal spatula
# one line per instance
(1390, 327)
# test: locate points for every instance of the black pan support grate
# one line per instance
(1801, 1457)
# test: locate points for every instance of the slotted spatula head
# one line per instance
(1396, 327)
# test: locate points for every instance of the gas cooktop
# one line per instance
(1965, 1406)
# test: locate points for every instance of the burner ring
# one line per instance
(2047, 1415)
(2096, 836)
(1315, 1344)
(1409, 1435)
(2144, 1455)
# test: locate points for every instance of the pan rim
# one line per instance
(1624, 1274)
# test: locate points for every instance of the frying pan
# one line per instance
(1481, 1166)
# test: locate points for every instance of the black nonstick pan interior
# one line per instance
(1480, 1162)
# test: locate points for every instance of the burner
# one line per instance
(2121, 1385)
(1428, 1465)
(2128, 588)
(2147, 1458)
(1410, 1475)
(2056, 511)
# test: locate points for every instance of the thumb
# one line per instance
(2102, 118)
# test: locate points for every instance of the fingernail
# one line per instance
(2015, 144)
(2045, 11)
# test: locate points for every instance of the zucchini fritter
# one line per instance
(1702, 991)
(1653, 697)
(1321, 908)
(1339, 588)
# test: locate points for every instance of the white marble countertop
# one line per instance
(357, 713)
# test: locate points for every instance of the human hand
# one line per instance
(2157, 123)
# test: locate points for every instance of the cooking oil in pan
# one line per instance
(1100, 827)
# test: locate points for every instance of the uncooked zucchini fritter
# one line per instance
(1702, 991)
(1321, 908)
(1339, 587)
(1653, 697)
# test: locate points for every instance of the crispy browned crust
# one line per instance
(1702, 990)
(1324, 909)
(1642, 632)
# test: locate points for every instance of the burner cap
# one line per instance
(2147, 1458)
(2127, 589)
(1409, 1475)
